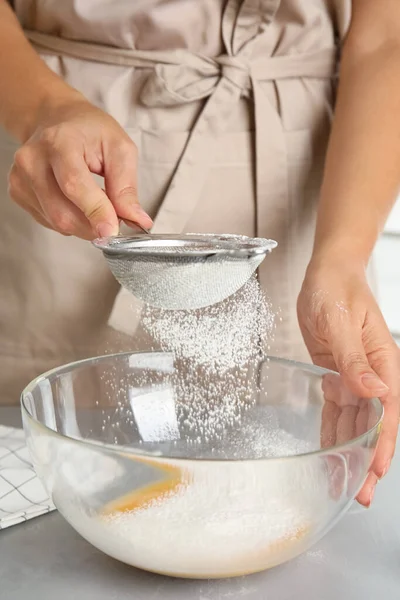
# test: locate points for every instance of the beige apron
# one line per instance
(231, 128)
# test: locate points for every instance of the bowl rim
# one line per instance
(139, 452)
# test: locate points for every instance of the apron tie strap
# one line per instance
(181, 77)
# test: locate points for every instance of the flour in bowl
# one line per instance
(222, 520)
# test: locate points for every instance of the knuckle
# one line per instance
(380, 361)
(384, 355)
(63, 222)
(126, 147)
(14, 184)
(123, 151)
(95, 211)
(71, 183)
(50, 136)
(128, 191)
(60, 141)
(351, 361)
(23, 159)
(323, 324)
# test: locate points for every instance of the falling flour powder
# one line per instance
(216, 518)
(219, 337)
(215, 349)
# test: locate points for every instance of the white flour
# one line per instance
(228, 519)
(216, 349)
(220, 337)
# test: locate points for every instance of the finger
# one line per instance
(362, 418)
(40, 219)
(21, 192)
(77, 184)
(336, 475)
(387, 439)
(120, 176)
(352, 363)
(324, 360)
(329, 419)
(346, 424)
(386, 364)
(20, 189)
(366, 495)
(28, 207)
(329, 387)
(335, 391)
(64, 216)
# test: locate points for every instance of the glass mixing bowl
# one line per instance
(153, 470)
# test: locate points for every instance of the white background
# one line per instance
(387, 271)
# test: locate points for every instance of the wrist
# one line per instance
(48, 97)
(338, 255)
(337, 259)
(350, 250)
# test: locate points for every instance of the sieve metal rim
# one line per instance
(229, 245)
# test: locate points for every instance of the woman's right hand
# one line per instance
(51, 177)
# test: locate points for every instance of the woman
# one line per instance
(228, 105)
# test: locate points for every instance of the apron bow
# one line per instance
(193, 80)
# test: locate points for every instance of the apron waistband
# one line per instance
(180, 76)
(317, 64)
(177, 77)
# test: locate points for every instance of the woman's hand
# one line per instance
(344, 330)
(51, 175)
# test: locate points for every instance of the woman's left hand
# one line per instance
(344, 330)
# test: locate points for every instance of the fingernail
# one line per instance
(143, 214)
(106, 230)
(386, 469)
(374, 383)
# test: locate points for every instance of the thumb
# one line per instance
(353, 365)
(120, 176)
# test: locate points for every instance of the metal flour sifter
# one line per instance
(188, 271)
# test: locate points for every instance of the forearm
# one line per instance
(362, 173)
(27, 85)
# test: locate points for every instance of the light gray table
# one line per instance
(45, 559)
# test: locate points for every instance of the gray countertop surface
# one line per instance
(358, 560)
